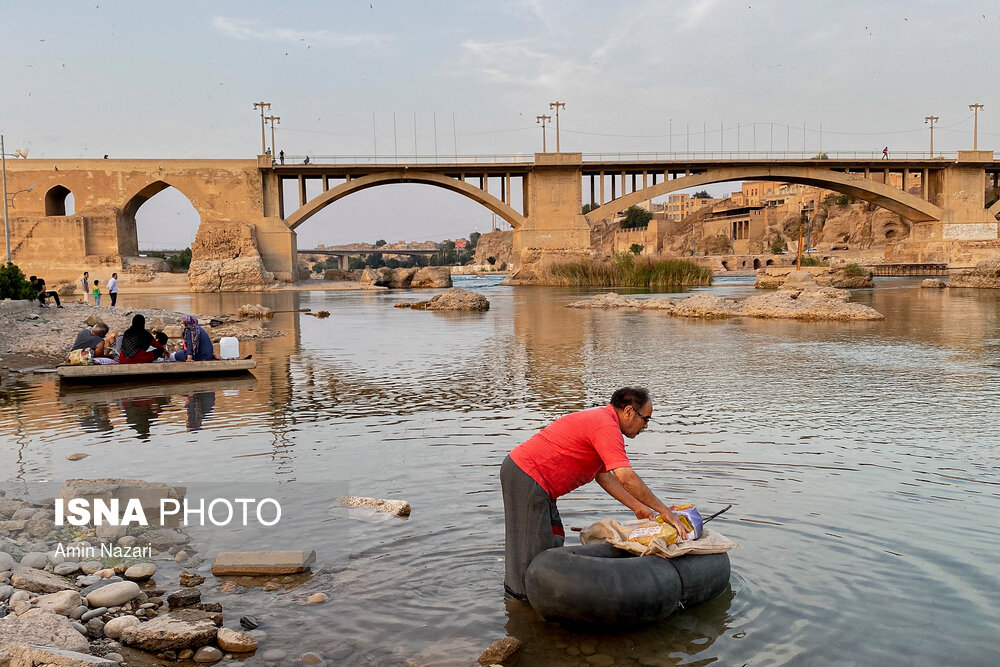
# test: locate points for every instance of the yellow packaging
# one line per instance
(647, 531)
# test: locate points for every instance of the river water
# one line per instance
(862, 461)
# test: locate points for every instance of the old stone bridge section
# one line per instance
(246, 238)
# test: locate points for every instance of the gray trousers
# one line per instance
(531, 524)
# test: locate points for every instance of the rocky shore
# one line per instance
(798, 298)
(42, 337)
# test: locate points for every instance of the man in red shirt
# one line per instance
(568, 453)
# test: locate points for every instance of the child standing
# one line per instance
(97, 293)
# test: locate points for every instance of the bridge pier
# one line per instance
(553, 223)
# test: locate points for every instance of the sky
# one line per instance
(84, 79)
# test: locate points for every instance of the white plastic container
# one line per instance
(229, 347)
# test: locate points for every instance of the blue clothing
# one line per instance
(205, 350)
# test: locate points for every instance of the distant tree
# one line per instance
(491, 260)
(319, 267)
(702, 194)
(636, 216)
(380, 243)
(635, 248)
(587, 208)
(180, 262)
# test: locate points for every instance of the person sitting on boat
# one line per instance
(93, 338)
(165, 355)
(571, 451)
(197, 344)
(136, 343)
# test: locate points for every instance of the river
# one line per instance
(862, 461)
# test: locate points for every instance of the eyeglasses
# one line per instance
(644, 419)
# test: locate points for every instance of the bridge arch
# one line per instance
(128, 234)
(55, 200)
(404, 176)
(908, 206)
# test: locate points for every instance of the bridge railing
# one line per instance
(674, 156)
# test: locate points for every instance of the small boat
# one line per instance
(153, 371)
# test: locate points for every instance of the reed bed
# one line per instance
(626, 270)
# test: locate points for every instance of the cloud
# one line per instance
(696, 13)
(248, 29)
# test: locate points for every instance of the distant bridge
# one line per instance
(345, 253)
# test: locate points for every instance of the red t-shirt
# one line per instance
(572, 450)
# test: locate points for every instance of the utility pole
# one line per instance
(556, 106)
(273, 119)
(931, 120)
(974, 108)
(435, 136)
(542, 120)
(263, 137)
(6, 215)
(395, 143)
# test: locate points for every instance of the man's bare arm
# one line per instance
(615, 489)
(638, 489)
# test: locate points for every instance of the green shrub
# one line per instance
(635, 248)
(627, 270)
(813, 261)
(855, 270)
(636, 216)
(13, 284)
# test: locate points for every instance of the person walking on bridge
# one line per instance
(885, 153)
(566, 454)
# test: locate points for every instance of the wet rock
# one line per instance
(113, 594)
(986, 275)
(185, 597)
(78, 456)
(311, 658)
(93, 613)
(38, 581)
(140, 571)
(249, 623)
(397, 507)
(601, 660)
(190, 579)
(163, 538)
(208, 654)
(455, 298)
(115, 626)
(933, 283)
(184, 628)
(255, 310)
(43, 628)
(63, 602)
(233, 640)
(500, 650)
(432, 276)
(262, 562)
(182, 556)
(317, 598)
(228, 587)
(35, 559)
(274, 655)
(185, 654)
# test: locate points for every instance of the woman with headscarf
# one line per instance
(197, 343)
(136, 342)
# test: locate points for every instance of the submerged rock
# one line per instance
(986, 275)
(933, 283)
(397, 507)
(500, 650)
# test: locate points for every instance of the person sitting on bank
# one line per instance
(571, 451)
(163, 339)
(39, 285)
(197, 344)
(95, 339)
(136, 343)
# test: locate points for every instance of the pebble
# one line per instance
(79, 456)
(113, 628)
(113, 594)
(91, 566)
(127, 541)
(79, 612)
(233, 640)
(249, 623)
(6, 592)
(317, 598)
(95, 628)
(115, 657)
(140, 571)
(311, 658)
(54, 558)
(19, 596)
(35, 559)
(93, 613)
(601, 660)
(79, 627)
(6, 561)
(272, 586)
(66, 569)
(190, 579)
(185, 654)
(106, 573)
(182, 556)
(208, 654)
(274, 655)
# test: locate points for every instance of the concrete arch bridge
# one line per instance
(244, 214)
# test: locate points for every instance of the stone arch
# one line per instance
(910, 207)
(404, 176)
(128, 235)
(725, 265)
(55, 200)
(769, 262)
(756, 263)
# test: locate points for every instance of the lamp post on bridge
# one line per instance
(974, 108)
(543, 120)
(557, 106)
(263, 137)
(931, 120)
(273, 120)
(22, 153)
